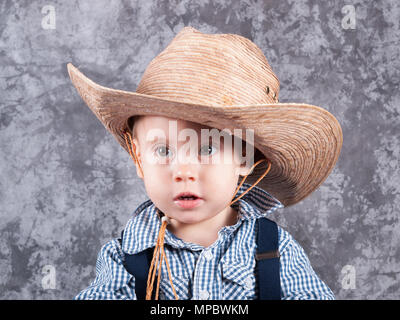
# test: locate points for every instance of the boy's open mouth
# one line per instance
(187, 200)
(186, 196)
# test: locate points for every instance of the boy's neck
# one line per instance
(204, 233)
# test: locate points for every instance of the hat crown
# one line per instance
(211, 69)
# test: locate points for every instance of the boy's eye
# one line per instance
(207, 150)
(163, 151)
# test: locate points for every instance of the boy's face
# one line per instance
(174, 158)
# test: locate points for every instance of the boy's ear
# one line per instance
(138, 155)
(243, 169)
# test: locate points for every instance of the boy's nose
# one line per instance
(185, 172)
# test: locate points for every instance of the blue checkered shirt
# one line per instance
(224, 270)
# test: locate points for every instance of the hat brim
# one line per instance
(302, 141)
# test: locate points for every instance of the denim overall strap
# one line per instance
(267, 263)
(138, 265)
(267, 260)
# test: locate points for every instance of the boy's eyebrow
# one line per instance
(163, 139)
(156, 138)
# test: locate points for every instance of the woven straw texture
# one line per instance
(224, 81)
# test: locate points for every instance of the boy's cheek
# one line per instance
(155, 174)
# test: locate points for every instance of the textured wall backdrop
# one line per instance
(67, 187)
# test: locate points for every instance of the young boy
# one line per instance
(200, 234)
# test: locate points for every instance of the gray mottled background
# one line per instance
(67, 187)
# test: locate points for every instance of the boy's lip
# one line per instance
(186, 194)
(188, 204)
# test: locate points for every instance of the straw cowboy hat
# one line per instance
(224, 81)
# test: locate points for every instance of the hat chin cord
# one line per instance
(159, 253)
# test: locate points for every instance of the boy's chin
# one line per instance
(188, 217)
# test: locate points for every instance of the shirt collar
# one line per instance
(141, 231)
(256, 203)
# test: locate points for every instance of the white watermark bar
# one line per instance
(49, 18)
(191, 145)
(349, 18)
(349, 277)
(49, 279)
(199, 309)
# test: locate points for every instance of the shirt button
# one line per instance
(204, 295)
(248, 283)
(208, 255)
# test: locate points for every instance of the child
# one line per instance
(202, 234)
